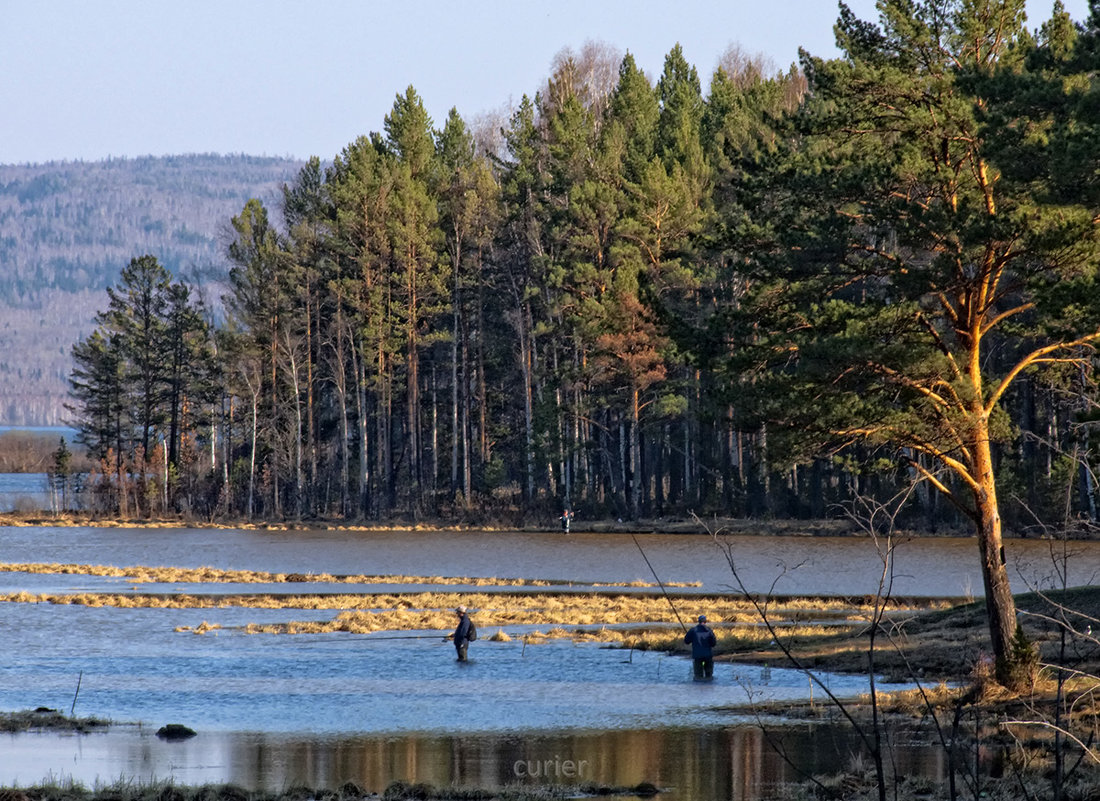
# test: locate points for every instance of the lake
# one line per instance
(24, 492)
(276, 710)
(936, 567)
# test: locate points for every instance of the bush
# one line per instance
(1023, 662)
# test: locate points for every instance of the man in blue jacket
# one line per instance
(702, 641)
(462, 633)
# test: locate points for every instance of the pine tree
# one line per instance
(914, 263)
(259, 303)
(521, 265)
(468, 210)
(419, 277)
(135, 375)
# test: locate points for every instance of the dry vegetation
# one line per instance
(664, 525)
(947, 643)
(125, 790)
(141, 573)
(642, 619)
(43, 719)
(417, 610)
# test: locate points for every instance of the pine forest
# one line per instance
(856, 279)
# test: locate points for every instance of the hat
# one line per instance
(460, 609)
(702, 618)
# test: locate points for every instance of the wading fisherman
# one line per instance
(702, 641)
(464, 633)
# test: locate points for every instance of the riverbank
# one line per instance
(730, 526)
(670, 525)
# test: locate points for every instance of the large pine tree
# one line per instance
(912, 258)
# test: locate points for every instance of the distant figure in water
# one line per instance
(566, 518)
(464, 633)
(702, 641)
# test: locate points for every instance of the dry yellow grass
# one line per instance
(388, 611)
(562, 612)
(143, 573)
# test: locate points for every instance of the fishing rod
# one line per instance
(405, 637)
(659, 584)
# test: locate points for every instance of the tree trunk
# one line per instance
(456, 348)
(467, 478)
(434, 441)
(416, 488)
(999, 603)
(252, 456)
(635, 455)
(340, 380)
(360, 364)
(528, 406)
(311, 442)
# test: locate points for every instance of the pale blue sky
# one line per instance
(88, 79)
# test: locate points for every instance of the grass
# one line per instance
(43, 719)
(416, 609)
(140, 574)
(349, 791)
(509, 523)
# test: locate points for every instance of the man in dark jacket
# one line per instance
(462, 633)
(702, 641)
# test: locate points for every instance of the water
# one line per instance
(278, 710)
(60, 431)
(929, 567)
(739, 763)
(136, 667)
(24, 492)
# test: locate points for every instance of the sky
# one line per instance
(84, 80)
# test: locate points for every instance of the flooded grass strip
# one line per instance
(644, 621)
(587, 616)
(735, 618)
(579, 608)
(181, 575)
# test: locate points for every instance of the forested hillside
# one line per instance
(68, 228)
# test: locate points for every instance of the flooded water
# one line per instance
(136, 667)
(927, 567)
(24, 492)
(739, 763)
(272, 711)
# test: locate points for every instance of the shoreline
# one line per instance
(671, 525)
(674, 525)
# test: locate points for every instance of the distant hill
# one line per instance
(68, 228)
